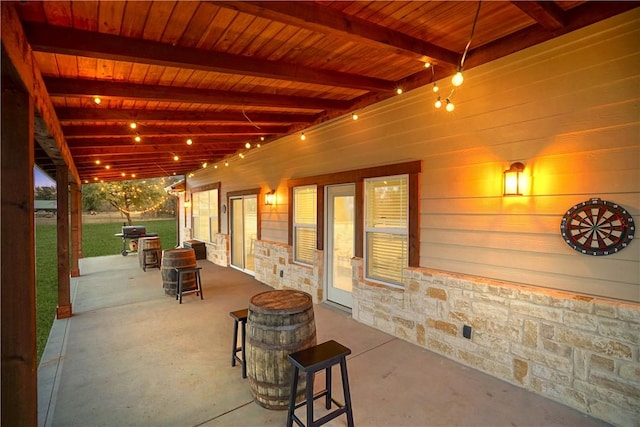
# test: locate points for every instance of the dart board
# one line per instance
(597, 227)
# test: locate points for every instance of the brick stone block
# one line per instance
(535, 310)
(530, 334)
(593, 342)
(520, 371)
(601, 363)
(437, 293)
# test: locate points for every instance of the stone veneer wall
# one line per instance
(578, 350)
(271, 258)
(218, 251)
(581, 351)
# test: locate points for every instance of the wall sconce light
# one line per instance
(270, 198)
(513, 178)
(187, 204)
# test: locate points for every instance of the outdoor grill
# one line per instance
(132, 232)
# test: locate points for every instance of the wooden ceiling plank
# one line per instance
(545, 13)
(148, 131)
(127, 50)
(19, 53)
(157, 20)
(110, 17)
(180, 17)
(85, 15)
(326, 20)
(102, 114)
(225, 143)
(88, 88)
(578, 17)
(134, 18)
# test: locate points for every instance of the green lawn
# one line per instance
(97, 240)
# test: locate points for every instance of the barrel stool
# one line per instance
(180, 289)
(310, 361)
(239, 316)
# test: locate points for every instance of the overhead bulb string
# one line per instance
(248, 119)
(473, 30)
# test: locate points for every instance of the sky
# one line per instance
(41, 179)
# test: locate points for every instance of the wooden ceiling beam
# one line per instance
(121, 90)
(82, 153)
(19, 52)
(325, 20)
(576, 18)
(91, 44)
(546, 13)
(142, 116)
(168, 131)
(236, 143)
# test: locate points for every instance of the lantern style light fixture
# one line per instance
(513, 178)
(270, 198)
(187, 204)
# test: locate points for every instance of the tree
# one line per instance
(45, 193)
(128, 197)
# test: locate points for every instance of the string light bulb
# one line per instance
(303, 136)
(450, 107)
(133, 125)
(204, 165)
(427, 64)
(137, 138)
(97, 162)
(435, 87)
(97, 100)
(354, 116)
(215, 166)
(457, 79)
(438, 103)
(241, 156)
(175, 157)
(247, 145)
(189, 141)
(226, 163)
(399, 91)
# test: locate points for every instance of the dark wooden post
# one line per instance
(19, 356)
(64, 283)
(76, 229)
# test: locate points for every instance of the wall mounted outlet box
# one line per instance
(466, 331)
(281, 273)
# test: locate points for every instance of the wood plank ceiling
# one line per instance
(224, 74)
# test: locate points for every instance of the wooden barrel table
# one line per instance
(172, 258)
(278, 323)
(153, 257)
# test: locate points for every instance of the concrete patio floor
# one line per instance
(131, 356)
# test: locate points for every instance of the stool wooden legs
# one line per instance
(180, 285)
(310, 361)
(239, 316)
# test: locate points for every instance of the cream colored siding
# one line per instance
(568, 109)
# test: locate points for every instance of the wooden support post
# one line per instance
(18, 315)
(76, 229)
(64, 283)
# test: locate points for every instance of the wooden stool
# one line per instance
(239, 316)
(310, 361)
(157, 257)
(179, 286)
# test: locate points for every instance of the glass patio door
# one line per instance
(244, 230)
(340, 242)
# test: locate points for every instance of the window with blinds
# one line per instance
(304, 224)
(386, 228)
(204, 213)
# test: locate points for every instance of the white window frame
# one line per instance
(394, 231)
(213, 214)
(302, 225)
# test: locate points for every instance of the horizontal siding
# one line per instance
(569, 109)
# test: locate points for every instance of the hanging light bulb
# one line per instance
(438, 103)
(241, 156)
(107, 167)
(457, 79)
(302, 136)
(97, 162)
(215, 166)
(450, 107)
(226, 163)
(262, 138)
(247, 145)
(258, 145)
(435, 87)
(189, 141)
(354, 116)
(399, 91)
(175, 157)
(204, 165)
(133, 125)
(97, 100)
(137, 138)
(427, 64)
